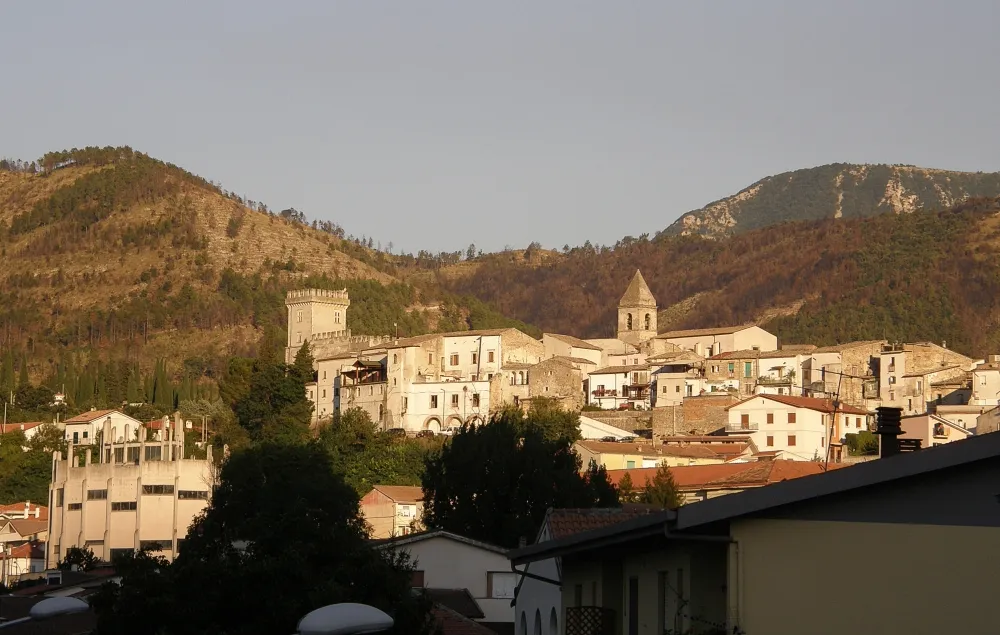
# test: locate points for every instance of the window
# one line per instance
(475, 400)
(434, 401)
(892, 396)
(395, 358)
(74, 507)
(770, 417)
(155, 545)
(648, 322)
(791, 417)
(677, 388)
(417, 579)
(475, 358)
(430, 358)
(822, 442)
(406, 401)
(158, 490)
(732, 367)
(180, 545)
(628, 321)
(298, 340)
(745, 421)
(123, 506)
(59, 497)
(664, 390)
(118, 553)
(909, 404)
(500, 585)
(454, 359)
(153, 453)
(76, 437)
(747, 369)
(489, 356)
(920, 385)
(324, 393)
(791, 440)
(298, 316)
(454, 400)
(97, 494)
(191, 494)
(630, 464)
(84, 434)
(770, 441)
(371, 390)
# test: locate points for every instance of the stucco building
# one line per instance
(393, 510)
(127, 495)
(736, 563)
(86, 427)
(723, 339)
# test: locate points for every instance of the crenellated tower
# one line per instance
(315, 314)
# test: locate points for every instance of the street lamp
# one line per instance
(345, 619)
(51, 607)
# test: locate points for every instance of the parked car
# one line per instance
(425, 434)
(396, 432)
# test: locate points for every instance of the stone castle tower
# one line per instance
(637, 312)
(320, 316)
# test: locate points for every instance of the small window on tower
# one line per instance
(298, 316)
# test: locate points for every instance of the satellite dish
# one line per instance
(345, 619)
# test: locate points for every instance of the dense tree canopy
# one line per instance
(494, 482)
(281, 537)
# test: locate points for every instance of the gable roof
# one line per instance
(811, 403)
(573, 341)
(401, 493)
(421, 536)
(727, 475)
(695, 451)
(753, 354)
(718, 330)
(26, 527)
(451, 622)
(458, 600)
(569, 521)
(614, 370)
(574, 360)
(23, 426)
(90, 415)
(638, 294)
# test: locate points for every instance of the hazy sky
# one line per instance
(436, 124)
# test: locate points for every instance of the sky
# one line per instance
(436, 124)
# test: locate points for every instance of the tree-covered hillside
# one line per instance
(921, 276)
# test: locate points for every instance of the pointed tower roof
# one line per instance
(638, 293)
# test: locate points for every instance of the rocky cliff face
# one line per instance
(838, 190)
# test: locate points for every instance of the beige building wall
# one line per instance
(120, 504)
(784, 578)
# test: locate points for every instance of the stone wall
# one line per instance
(696, 415)
(628, 420)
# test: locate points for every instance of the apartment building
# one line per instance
(85, 427)
(393, 510)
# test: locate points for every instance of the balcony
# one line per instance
(774, 381)
(605, 393)
(589, 620)
(741, 427)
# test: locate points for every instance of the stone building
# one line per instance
(918, 376)
(848, 370)
(637, 312)
(319, 316)
(561, 379)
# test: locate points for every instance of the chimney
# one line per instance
(888, 428)
(944, 343)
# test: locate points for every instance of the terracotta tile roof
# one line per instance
(420, 339)
(28, 526)
(452, 622)
(401, 493)
(23, 426)
(33, 549)
(573, 341)
(728, 475)
(694, 451)
(18, 509)
(840, 348)
(574, 360)
(752, 354)
(705, 438)
(719, 330)
(566, 522)
(458, 600)
(90, 415)
(614, 370)
(811, 403)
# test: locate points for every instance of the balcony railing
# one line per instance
(741, 427)
(605, 393)
(589, 620)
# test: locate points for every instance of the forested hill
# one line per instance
(921, 276)
(839, 190)
(111, 256)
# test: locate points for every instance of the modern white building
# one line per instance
(84, 428)
(800, 428)
(123, 496)
(615, 387)
(725, 339)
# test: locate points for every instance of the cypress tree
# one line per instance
(22, 379)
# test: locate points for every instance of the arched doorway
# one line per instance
(553, 622)
(537, 630)
(433, 424)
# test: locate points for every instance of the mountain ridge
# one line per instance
(835, 190)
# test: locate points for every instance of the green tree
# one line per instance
(281, 526)
(77, 557)
(495, 482)
(275, 407)
(302, 367)
(626, 490)
(661, 490)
